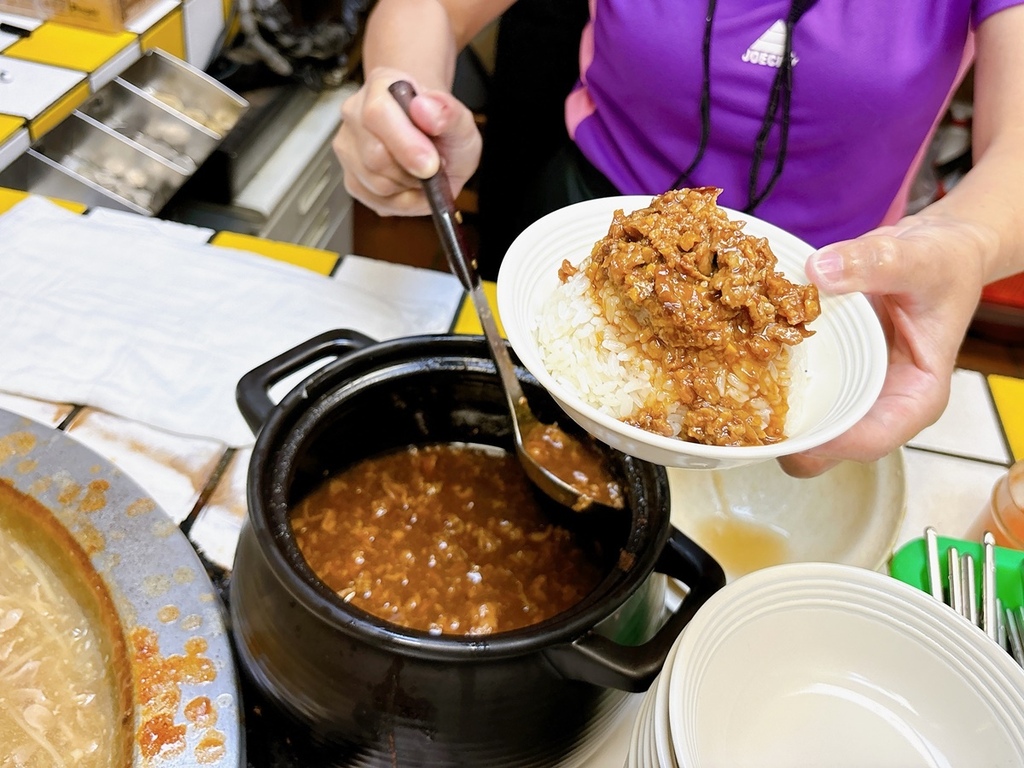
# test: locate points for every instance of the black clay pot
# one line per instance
(379, 694)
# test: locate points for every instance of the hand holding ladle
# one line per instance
(565, 468)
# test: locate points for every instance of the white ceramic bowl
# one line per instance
(831, 665)
(755, 516)
(841, 367)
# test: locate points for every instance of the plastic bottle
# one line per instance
(1006, 508)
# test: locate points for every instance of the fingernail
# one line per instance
(424, 165)
(431, 108)
(827, 266)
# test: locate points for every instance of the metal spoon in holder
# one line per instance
(586, 487)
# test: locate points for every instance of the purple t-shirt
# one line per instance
(869, 80)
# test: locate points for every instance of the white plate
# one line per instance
(661, 727)
(755, 516)
(824, 664)
(841, 367)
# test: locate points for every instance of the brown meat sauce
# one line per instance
(447, 539)
(578, 464)
(718, 314)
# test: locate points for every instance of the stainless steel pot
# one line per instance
(163, 600)
(385, 695)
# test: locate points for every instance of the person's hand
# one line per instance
(924, 277)
(385, 156)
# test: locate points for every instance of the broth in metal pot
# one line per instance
(64, 686)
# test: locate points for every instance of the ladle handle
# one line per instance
(446, 216)
(447, 221)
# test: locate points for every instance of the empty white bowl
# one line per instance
(755, 516)
(839, 370)
(820, 664)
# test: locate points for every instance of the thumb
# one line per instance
(870, 264)
(452, 128)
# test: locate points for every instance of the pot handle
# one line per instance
(596, 659)
(253, 391)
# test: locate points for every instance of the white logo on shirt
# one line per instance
(769, 49)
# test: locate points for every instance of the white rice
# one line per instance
(590, 356)
(612, 367)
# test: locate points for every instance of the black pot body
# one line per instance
(384, 695)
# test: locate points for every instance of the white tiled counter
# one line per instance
(950, 468)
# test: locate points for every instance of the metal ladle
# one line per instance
(525, 423)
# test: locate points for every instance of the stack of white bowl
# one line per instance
(823, 664)
(651, 740)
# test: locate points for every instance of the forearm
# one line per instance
(424, 37)
(413, 36)
(990, 197)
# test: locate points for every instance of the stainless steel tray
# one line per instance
(186, 90)
(136, 177)
(135, 142)
(140, 118)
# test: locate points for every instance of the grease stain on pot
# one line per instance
(163, 529)
(156, 585)
(107, 561)
(202, 714)
(26, 467)
(158, 691)
(92, 541)
(68, 489)
(140, 507)
(95, 497)
(16, 444)
(211, 747)
(391, 698)
(168, 614)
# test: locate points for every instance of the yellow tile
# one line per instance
(1008, 394)
(314, 259)
(11, 197)
(168, 35)
(60, 109)
(71, 205)
(70, 47)
(8, 125)
(468, 322)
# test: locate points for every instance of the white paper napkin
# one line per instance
(159, 329)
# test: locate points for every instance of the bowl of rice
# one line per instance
(687, 334)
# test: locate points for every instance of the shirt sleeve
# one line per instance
(982, 9)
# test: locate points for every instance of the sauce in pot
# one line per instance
(444, 538)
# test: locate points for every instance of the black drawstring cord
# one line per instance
(705, 97)
(780, 96)
(782, 90)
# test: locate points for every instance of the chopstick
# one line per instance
(1014, 633)
(956, 586)
(934, 574)
(988, 588)
(1004, 626)
(967, 586)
